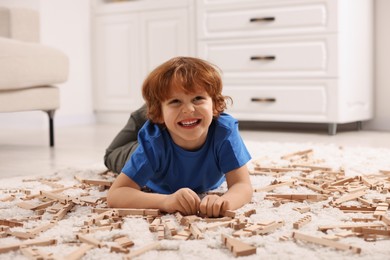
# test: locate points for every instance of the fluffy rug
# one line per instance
(58, 209)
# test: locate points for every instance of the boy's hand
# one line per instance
(213, 206)
(185, 200)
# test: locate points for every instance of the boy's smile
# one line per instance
(187, 117)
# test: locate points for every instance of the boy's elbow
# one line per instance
(111, 202)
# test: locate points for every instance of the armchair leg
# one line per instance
(50, 113)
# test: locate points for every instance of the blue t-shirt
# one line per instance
(164, 167)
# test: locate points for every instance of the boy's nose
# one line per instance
(188, 108)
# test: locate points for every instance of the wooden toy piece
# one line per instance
(274, 186)
(238, 223)
(364, 219)
(153, 246)
(365, 202)
(297, 197)
(295, 154)
(124, 241)
(302, 221)
(170, 227)
(249, 213)
(269, 228)
(122, 212)
(179, 217)
(302, 209)
(143, 212)
(229, 213)
(188, 220)
(213, 220)
(325, 242)
(282, 169)
(347, 233)
(21, 234)
(61, 214)
(350, 196)
(89, 240)
(36, 242)
(104, 183)
(385, 219)
(314, 188)
(342, 181)
(354, 209)
(79, 252)
(195, 231)
(10, 223)
(42, 228)
(182, 235)
(161, 232)
(312, 167)
(154, 225)
(119, 249)
(237, 247)
(380, 232)
(242, 233)
(266, 173)
(332, 237)
(284, 238)
(215, 225)
(350, 226)
(34, 253)
(381, 209)
(54, 196)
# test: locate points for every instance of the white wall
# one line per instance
(65, 24)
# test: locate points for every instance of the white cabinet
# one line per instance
(291, 60)
(129, 40)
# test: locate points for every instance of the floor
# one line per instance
(26, 152)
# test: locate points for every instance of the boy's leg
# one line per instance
(125, 142)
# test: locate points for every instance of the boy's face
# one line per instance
(187, 117)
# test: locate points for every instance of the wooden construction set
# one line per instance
(323, 183)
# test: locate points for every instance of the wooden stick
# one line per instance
(299, 153)
(37, 242)
(273, 186)
(237, 247)
(325, 242)
(349, 226)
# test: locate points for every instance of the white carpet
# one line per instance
(355, 161)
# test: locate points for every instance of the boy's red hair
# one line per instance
(188, 74)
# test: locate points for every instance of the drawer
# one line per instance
(261, 19)
(288, 57)
(279, 102)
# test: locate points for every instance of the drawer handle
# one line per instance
(262, 19)
(263, 100)
(270, 57)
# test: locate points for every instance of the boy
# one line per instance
(187, 146)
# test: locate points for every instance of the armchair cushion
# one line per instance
(25, 64)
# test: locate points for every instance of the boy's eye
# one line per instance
(173, 101)
(198, 98)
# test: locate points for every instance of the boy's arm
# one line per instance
(240, 189)
(125, 193)
(239, 193)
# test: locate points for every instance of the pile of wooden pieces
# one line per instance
(328, 186)
(337, 189)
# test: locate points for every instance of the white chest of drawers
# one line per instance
(307, 61)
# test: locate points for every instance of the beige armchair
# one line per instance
(28, 69)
